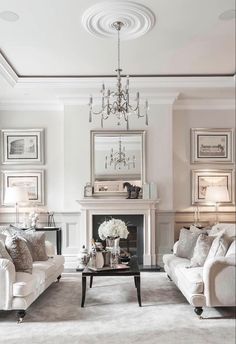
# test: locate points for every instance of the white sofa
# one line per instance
(18, 290)
(212, 285)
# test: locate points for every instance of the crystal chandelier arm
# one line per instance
(118, 102)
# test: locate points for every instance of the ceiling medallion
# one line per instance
(137, 19)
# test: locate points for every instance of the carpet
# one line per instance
(111, 315)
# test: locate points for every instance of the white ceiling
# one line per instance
(188, 39)
(188, 55)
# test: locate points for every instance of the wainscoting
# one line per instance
(168, 225)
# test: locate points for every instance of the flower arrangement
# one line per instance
(33, 218)
(113, 228)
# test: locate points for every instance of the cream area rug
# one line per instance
(112, 315)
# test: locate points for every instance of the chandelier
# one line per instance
(119, 159)
(117, 102)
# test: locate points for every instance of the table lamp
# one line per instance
(16, 195)
(217, 194)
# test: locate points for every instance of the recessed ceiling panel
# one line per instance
(189, 38)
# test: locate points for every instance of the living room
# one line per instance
(54, 60)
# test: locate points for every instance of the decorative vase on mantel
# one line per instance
(113, 246)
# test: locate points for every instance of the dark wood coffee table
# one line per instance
(132, 271)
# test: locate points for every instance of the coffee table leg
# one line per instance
(91, 281)
(137, 284)
(83, 290)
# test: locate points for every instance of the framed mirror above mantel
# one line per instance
(117, 157)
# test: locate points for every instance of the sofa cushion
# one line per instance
(19, 252)
(219, 246)
(24, 284)
(3, 252)
(201, 250)
(186, 244)
(172, 261)
(232, 249)
(191, 279)
(47, 267)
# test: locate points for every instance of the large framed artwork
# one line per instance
(201, 179)
(212, 145)
(23, 146)
(32, 181)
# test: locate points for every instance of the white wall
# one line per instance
(54, 149)
(183, 121)
(67, 150)
(77, 151)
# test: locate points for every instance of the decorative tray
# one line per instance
(110, 268)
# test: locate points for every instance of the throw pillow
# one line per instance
(2, 238)
(3, 252)
(20, 254)
(186, 244)
(231, 249)
(195, 229)
(228, 228)
(201, 250)
(219, 246)
(37, 242)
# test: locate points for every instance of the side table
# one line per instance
(58, 235)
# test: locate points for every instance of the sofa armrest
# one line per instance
(219, 281)
(50, 249)
(7, 278)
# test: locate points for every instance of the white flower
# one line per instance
(112, 229)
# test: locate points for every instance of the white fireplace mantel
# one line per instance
(119, 206)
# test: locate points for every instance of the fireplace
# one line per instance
(133, 245)
(145, 210)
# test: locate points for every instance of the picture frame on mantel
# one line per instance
(32, 181)
(201, 179)
(212, 145)
(22, 146)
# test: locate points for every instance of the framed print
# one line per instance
(23, 146)
(212, 145)
(32, 181)
(201, 179)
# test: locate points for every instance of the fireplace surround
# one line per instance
(105, 206)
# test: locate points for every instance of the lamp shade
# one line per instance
(15, 195)
(217, 194)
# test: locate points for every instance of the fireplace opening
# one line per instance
(133, 245)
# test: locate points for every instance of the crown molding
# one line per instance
(31, 105)
(8, 72)
(153, 98)
(205, 104)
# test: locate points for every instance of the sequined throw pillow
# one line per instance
(186, 244)
(20, 254)
(201, 250)
(37, 243)
(3, 252)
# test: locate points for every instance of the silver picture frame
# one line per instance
(212, 145)
(22, 146)
(31, 180)
(201, 179)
